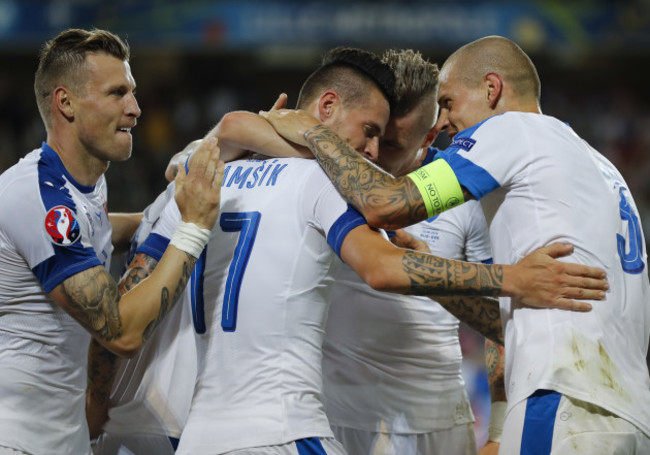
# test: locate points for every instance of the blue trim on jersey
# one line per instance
(487, 261)
(342, 226)
(154, 246)
(431, 155)
(477, 180)
(310, 446)
(473, 177)
(196, 293)
(55, 167)
(65, 263)
(70, 259)
(537, 435)
(174, 442)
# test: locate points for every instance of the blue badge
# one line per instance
(464, 143)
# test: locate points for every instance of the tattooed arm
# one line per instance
(102, 363)
(240, 132)
(537, 280)
(122, 323)
(495, 364)
(385, 201)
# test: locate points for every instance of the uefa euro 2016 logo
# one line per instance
(62, 226)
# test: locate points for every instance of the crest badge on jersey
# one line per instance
(62, 226)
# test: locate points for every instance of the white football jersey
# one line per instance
(549, 185)
(152, 392)
(51, 228)
(260, 303)
(392, 363)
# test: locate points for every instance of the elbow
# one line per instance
(372, 218)
(380, 220)
(377, 279)
(124, 346)
(226, 130)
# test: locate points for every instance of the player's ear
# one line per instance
(494, 88)
(429, 138)
(62, 102)
(327, 104)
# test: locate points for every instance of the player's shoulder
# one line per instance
(20, 181)
(514, 119)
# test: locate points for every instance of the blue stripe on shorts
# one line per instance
(310, 446)
(537, 436)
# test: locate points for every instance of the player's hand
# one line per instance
(291, 124)
(538, 280)
(179, 159)
(490, 448)
(403, 239)
(281, 102)
(198, 193)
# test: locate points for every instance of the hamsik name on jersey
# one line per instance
(247, 177)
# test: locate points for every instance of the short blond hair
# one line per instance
(62, 59)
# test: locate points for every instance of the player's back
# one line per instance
(394, 360)
(265, 278)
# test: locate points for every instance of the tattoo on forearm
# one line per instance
(139, 269)
(166, 300)
(469, 283)
(365, 186)
(93, 299)
(494, 363)
(480, 313)
(433, 275)
(102, 366)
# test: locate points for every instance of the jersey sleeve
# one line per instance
(488, 155)
(150, 216)
(330, 212)
(477, 243)
(50, 235)
(163, 229)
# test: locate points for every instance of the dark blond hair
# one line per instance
(62, 59)
(416, 79)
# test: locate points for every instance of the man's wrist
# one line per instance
(497, 417)
(190, 238)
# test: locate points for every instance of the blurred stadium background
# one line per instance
(195, 60)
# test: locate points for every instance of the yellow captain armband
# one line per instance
(438, 187)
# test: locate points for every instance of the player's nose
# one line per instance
(371, 150)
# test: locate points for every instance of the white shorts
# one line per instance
(307, 446)
(9, 451)
(549, 423)
(133, 444)
(458, 440)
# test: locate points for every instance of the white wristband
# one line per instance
(497, 416)
(190, 238)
